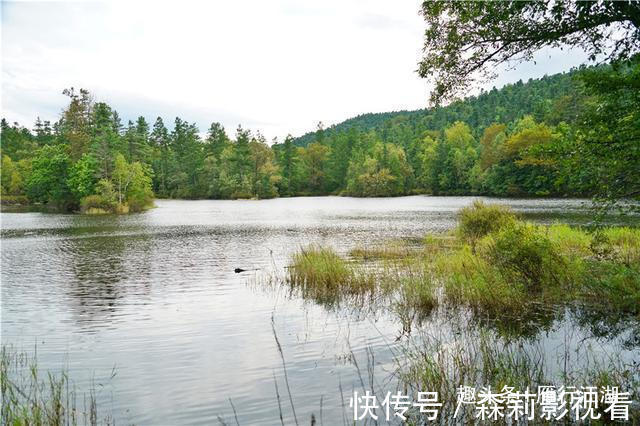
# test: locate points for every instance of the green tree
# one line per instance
(48, 180)
(314, 158)
(609, 134)
(217, 140)
(14, 175)
(240, 164)
(288, 165)
(105, 142)
(265, 174)
(75, 124)
(132, 184)
(162, 158)
(467, 38)
(83, 177)
(137, 138)
(383, 172)
(17, 141)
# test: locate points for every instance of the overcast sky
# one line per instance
(276, 66)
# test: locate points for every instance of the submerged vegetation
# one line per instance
(479, 358)
(499, 270)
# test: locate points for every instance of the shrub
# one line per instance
(94, 204)
(15, 200)
(480, 219)
(242, 195)
(618, 285)
(121, 208)
(523, 253)
(104, 201)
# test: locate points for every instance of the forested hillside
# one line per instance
(537, 97)
(525, 139)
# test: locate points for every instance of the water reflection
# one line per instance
(606, 325)
(105, 270)
(155, 295)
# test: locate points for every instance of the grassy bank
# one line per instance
(33, 397)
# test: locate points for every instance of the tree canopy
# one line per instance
(465, 40)
(572, 134)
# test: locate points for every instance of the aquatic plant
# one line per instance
(481, 219)
(321, 274)
(391, 250)
(469, 279)
(523, 254)
(32, 398)
(478, 358)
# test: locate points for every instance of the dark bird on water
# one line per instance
(238, 270)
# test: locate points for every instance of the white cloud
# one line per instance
(278, 66)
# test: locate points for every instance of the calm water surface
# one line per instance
(155, 296)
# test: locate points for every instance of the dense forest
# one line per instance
(544, 137)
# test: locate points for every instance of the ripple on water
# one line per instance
(155, 296)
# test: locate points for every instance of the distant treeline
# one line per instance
(564, 135)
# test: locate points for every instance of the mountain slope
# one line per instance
(549, 95)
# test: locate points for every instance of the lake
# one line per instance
(148, 307)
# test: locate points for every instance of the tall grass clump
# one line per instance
(569, 240)
(390, 251)
(32, 398)
(613, 286)
(626, 243)
(481, 219)
(417, 295)
(469, 279)
(320, 273)
(612, 269)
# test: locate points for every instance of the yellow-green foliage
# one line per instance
(389, 251)
(524, 254)
(570, 240)
(626, 242)
(518, 263)
(94, 203)
(471, 280)
(616, 284)
(16, 200)
(480, 219)
(323, 275)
